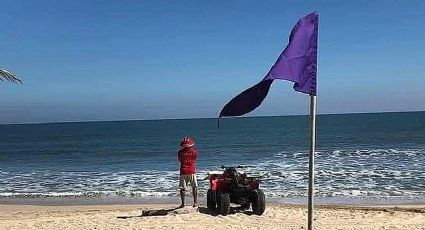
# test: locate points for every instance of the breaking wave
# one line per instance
(339, 173)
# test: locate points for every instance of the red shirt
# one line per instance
(187, 159)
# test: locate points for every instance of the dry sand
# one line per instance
(275, 217)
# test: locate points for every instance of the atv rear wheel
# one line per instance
(258, 202)
(223, 204)
(211, 200)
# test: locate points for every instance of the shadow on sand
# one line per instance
(152, 212)
(185, 210)
(233, 210)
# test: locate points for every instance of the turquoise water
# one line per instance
(358, 156)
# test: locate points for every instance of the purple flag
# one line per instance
(297, 63)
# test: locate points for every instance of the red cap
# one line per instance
(187, 142)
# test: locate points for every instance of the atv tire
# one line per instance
(258, 202)
(211, 200)
(223, 204)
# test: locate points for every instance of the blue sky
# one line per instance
(116, 60)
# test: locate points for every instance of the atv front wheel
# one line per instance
(223, 204)
(258, 202)
(211, 200)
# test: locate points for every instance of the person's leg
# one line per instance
(182, 196)
(194, 184)
(182, 186)
(195, 197)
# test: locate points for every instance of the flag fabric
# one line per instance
(297, 63)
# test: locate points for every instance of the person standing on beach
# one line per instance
(187, 158)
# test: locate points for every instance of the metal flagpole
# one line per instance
(311, 161)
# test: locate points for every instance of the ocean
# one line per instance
(372, 157)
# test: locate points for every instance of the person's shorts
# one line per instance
(186, 179)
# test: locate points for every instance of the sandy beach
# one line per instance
(275, 217)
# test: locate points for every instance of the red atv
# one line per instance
(234, 186)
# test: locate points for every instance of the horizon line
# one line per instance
(199, 118)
